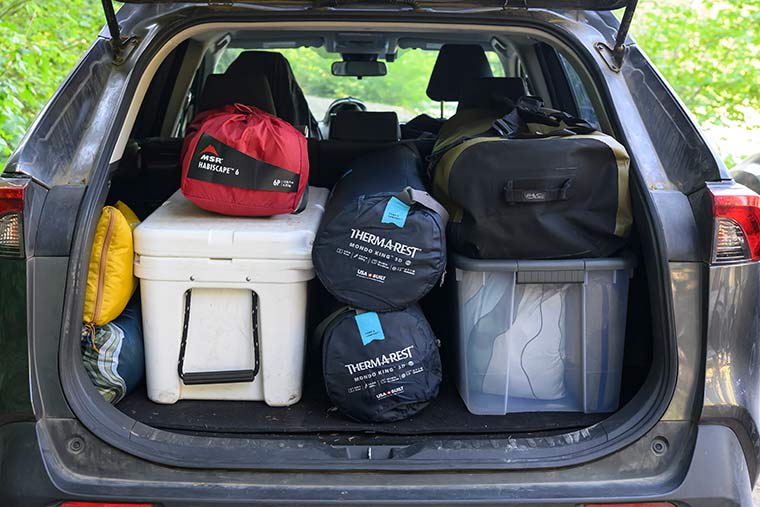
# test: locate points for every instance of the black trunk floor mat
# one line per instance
(447, 414)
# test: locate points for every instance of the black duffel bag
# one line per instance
(534, 184)
(381, 245)
(379, 367)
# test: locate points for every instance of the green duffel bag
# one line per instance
(533, 184)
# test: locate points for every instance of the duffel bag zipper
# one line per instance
(102, 266)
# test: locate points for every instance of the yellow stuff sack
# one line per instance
(110, 281)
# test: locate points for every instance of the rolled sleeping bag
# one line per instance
(381, 245)
(113, 354)
(380, 367)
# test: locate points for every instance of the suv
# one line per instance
(685, 432)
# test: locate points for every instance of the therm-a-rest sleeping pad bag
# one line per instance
(381, 245)
(380, 367)
(239, 160)
(535, 184)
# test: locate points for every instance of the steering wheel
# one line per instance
(344, 104)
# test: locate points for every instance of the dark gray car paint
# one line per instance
(655, 178)
(706, 471)
(732, 380)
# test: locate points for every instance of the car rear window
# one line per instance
(402, 90)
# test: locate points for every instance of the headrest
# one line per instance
(365, 126)
(288, 97)
(264, 62)
(223, 89)
(491, 92)
(456, 64)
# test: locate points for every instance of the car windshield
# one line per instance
(402, 90)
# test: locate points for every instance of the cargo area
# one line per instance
(446, 415)
(598, 308)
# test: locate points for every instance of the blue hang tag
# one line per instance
(369, 327)
(395, 212)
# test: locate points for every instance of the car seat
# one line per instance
(222, 89)
(456, 65)
(495, 93)
(370, 126)
(289, 99)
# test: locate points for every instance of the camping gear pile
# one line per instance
(381, 247)
(537, 200)
(215, 286)
(531, 203)
(224, 301)
(112, 341)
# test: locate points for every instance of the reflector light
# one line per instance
(11, 217)
(736, 225)
(11, 235)
(103, 504)
(730, 242)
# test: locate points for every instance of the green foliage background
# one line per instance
(709, 51)
(40, 41)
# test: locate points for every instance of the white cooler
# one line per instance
(224, 301)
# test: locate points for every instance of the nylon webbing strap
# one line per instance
(529, 116)
(412, 195)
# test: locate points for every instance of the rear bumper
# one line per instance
(714, 475)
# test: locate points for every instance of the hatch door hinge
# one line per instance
(121, 46)
(613, 56)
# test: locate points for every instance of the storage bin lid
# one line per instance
(181, 229)
(624, 261)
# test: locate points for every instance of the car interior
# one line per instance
(466, 71)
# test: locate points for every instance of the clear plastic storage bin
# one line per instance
(541, 336)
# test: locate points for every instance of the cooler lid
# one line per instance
(181, 229)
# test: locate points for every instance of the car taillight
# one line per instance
(736, 224)
(12, 217)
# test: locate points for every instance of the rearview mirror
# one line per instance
(359, 68)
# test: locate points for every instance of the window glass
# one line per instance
(402, 90)
(582, 100)
(496, 67)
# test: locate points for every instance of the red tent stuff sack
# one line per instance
(239, 160)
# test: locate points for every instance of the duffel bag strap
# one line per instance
(509, 125)
(411, 196)
(522, 121)
(537, 195)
